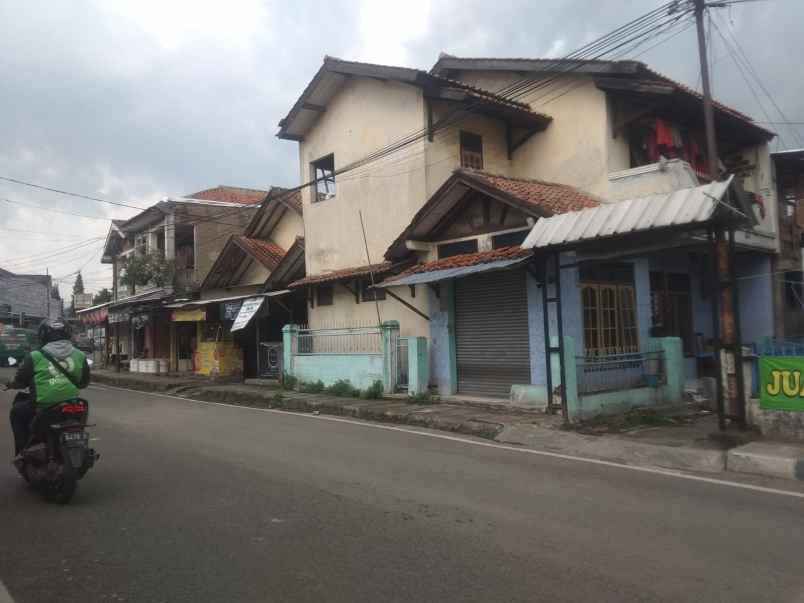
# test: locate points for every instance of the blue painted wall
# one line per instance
(442, 344)
(756, 296)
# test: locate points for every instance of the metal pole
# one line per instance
(562, 367)
(714, 238)
(709, 116)
(547, 353)
(738, 340)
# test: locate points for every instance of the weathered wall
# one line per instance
(287, 229)
(762, 181)
(345, 311)
(574, 148)
(756, 297)
(213, 225)
(364, 116)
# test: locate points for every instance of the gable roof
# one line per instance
(272, 209)
(622, 75)
(237, 253)
(536, 198)
(289, 268)
(230, 194)
(334, 72)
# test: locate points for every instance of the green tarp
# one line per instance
(782, 383)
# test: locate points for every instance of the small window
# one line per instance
(324, 176)
(509, 239)
(324, 294)
(368, 293)
(447, 250)
(471, 151)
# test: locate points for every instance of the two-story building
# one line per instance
(472, 169)
(162, 253)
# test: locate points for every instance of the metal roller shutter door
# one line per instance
(491, 333)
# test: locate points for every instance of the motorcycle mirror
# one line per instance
(12, 361)
(90, 362)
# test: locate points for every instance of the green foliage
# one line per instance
(312, 388)
(78, 287)
(342, 388)
(421, 398)
(142, 269)
(278, 398)
(102, 296)
(289, 382)
(374, 392)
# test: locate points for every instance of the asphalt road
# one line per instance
(205, 503)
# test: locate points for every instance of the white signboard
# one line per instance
(247, 311)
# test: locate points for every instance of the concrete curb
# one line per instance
(618, 449)
(771, 459)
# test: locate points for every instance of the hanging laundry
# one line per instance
(664, 133)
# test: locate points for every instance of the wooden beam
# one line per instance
(410, 307)
(527, 136)
(314, 107)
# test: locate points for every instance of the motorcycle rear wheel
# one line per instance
(62, 490)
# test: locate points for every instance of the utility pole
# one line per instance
(709, 116)
(725, 298)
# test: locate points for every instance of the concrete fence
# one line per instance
(360, 355)
(659, 371)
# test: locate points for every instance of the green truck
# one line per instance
(15, 343)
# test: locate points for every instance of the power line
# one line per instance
(68, 193)
(57, 211)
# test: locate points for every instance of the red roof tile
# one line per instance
(268, 253)
(464, 260)
(231, 194)
(551, 197)
(344, 274)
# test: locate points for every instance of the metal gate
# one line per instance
(402, 364)
(491, 333)
(271, 359)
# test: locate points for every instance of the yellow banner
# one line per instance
(188, 315)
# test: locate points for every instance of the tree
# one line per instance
(102, 296)
(78, 287)
(140, 270)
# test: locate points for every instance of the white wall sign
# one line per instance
(247, 311)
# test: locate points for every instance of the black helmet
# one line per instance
(53, 330)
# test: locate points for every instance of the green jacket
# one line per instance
(48, 386)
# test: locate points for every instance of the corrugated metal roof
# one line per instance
(685, 206)
(450, 273)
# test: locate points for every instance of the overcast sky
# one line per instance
(131, 101)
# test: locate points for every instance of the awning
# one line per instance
(451, 273)
(204, 302)
(690, 206)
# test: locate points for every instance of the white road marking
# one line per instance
(441, 436)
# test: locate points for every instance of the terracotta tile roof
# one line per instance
(268, 253)
(231, 194)
(345, 274)
(551, 197)
(464, 260)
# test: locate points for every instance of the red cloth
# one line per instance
(664, 133)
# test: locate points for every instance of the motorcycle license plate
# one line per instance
(74, 436)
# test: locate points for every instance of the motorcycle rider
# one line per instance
(47, 384)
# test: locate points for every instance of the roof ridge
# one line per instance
(523, 179)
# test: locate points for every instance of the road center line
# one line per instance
(517, 449)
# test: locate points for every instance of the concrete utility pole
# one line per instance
(709, 116)
(729, 360)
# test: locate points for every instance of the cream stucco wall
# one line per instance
(364, 116)
(287, 229)
(573, 148)
(345, 312)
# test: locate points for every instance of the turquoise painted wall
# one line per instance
(359, 369)
(442, 339)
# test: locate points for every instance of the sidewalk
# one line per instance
(683, 444)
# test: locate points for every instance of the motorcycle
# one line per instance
(58, 453)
